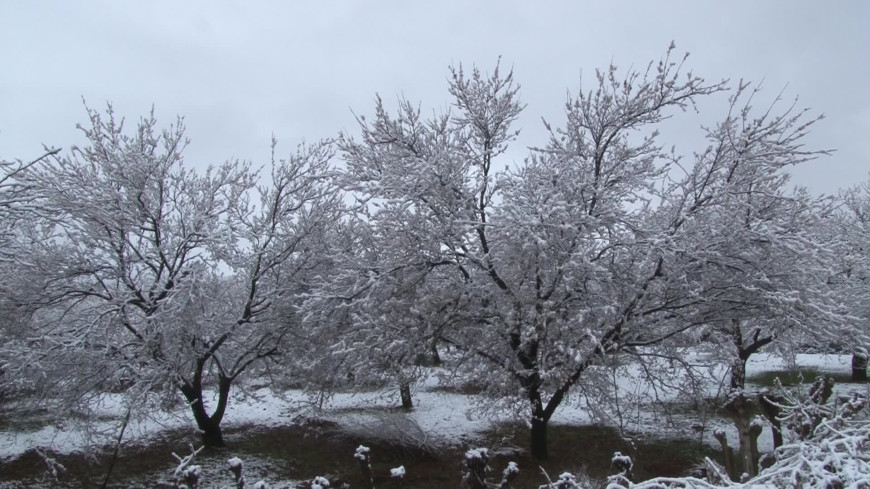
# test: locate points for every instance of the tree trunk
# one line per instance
(755, 429)
(859, 365)
(740, 411)
(738, 373)
(434, 356)
(539, 436)
(212, 435)
(209, 425)
(727, 455)
(405, 394)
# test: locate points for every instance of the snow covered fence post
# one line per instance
(623, 465)
(508, 475)
(755, 429)
(235, 466)
(475, 462)
(727, 453)
(363, 456)
(398, 473)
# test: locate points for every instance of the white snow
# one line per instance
(477, 454)
(362, 453)
(320, 483)
(234, 463)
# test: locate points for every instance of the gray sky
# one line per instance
(240, 71)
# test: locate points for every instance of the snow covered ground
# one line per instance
(439, 416)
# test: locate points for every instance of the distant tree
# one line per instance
(160, 277)
(18, 203)
(760, 246)
(375, 325)
(849, 228)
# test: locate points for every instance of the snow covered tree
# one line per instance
(759, 246)
(18, 199)
(850, 226)
(543, 269)
(760, 249)
(377, 315)
(598, 244)
(827, 451)
(163, 277)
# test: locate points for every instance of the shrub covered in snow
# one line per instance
(829, 450)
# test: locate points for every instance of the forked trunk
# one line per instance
(209, 425)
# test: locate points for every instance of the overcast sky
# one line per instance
(240, 71)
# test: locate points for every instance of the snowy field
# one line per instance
(440, 417)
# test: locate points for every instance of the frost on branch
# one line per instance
(184, 462)
(52, 466)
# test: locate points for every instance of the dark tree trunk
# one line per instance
(405, 394)
(212, 435)
(210, 425)
(434, 356)
(539, 437)
(738, 373)
(539, 424)
(859, 365)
